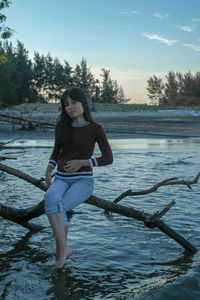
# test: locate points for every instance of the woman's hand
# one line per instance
(75, 164)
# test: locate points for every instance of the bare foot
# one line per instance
(61, 262)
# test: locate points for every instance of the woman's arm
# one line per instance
(106, 157)
(48, 177)
(56, 149)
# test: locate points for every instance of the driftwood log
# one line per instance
(28, 123)
(23, 216)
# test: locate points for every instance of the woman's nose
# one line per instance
(69, 105)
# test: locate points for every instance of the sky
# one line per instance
(135, 39)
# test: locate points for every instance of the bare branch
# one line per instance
(5, 143)
(170, 181)
(27, 123)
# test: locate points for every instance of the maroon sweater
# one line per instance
(85, 136)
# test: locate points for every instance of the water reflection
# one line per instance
(114, 256)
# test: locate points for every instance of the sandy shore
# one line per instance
(116, 124)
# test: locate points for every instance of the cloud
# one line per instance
(133, 12)
(125, 13)
(160, 16)
(185, 28)
(192, 46)
(160, 39)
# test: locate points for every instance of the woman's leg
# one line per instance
(57, 223)
(54, 210)
(68, 250)
(79, 191)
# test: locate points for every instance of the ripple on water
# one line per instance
(113, 256)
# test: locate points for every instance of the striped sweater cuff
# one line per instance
(93, 162)
(52, 163)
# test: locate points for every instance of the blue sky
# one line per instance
(134, 39)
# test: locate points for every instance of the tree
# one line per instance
(197, 85)
(15, 75)
(7, 86)
(23, 74)
(68, 73)
(38, 69)
(155, 90)
(83, 78)
(5, 32)
(109, 91)
(121, 96)
(171, 89)
(109, 88)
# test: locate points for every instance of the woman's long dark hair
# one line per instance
(64, 128)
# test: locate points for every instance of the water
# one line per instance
(114, 257)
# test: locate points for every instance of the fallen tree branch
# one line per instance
(159, 215)
(27, 123)
(170, 181)
(5, 143)
(23, 216)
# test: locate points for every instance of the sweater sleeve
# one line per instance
(54, 155)
(106, 157)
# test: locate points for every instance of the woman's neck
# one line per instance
(79, 120)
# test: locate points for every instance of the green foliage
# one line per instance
(15, 75)
(110, 92)
(83, 78)
(5, 32)
(155, 90)
(179, 89)
(45, 78)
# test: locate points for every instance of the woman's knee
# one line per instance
(52, 202)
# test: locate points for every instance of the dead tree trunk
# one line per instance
(23, 216)
(27, 123)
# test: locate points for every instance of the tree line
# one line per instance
(178, 89)
(44, 78)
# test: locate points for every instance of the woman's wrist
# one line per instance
(49, 169)
(85, 163)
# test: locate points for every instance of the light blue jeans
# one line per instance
(65, 194)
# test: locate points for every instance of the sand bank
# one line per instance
(143, 124)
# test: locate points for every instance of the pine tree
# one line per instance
(155, 90)
(38, 69)
(109, 88)
(171, 88)
(84, 79)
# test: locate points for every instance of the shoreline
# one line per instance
(136, 124)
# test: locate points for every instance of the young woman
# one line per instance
(75, 137)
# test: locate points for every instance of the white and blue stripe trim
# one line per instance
(52, 163)
(93, 162)
(74, 175)
(79, 125)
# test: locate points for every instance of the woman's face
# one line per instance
(74, 109)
